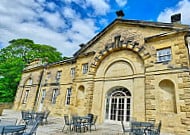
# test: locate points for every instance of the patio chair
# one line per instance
(77, 123)
(155, 130)
(26, 117)
(39, 117)
(92, 121)
(126, 130)
(46, 114)
(31, 130)
(67, 123)
(136, 128)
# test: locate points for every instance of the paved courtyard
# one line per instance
(55, 125)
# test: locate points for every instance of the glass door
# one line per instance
(118, 106)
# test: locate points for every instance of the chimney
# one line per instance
(120, 14)
(176, 18)
(82, 45)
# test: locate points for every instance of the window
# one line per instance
(58, 76)
(85, 68)
(164, 55)
(72, 72)
(47, 77)
(29, 82)
(54, 96)
(68, 96)
(25, 97)
(43, 96)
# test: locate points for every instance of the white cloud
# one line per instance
(29, 19)
(101, 7)
(121, 3)
(70, 13)
(182, 7)
(53, 20)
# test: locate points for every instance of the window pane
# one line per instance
(164, 55)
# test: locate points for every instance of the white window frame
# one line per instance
(58, 75)
(29, 82)
(164, 55)
(68, 96)
(54, 96)
(25, 97)
(73, 72)
(43, 96)
(85, 68)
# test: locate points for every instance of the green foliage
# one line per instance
(14, 58)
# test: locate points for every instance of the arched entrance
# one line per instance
(118, 105)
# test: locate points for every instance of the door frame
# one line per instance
(126, 95)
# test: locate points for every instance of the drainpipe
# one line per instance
(38, 90)
(187, 38)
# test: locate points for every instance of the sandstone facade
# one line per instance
(130, 69)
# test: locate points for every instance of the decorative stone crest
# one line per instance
(130, 41)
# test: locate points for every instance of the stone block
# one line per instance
(188, 114)
(186, 85)
(185, 108)
(187, 91)
(180, 85)
(182, 108)
(181, 96)
(150, 107)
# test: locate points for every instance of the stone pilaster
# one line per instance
(185, 85)
(150, 103)
(89, 96)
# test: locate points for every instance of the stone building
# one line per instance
(130, 69)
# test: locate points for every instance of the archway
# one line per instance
(118, 105)
(167, 96)
(80, 96)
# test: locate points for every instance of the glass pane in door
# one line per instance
(120, 109)
(113, 108)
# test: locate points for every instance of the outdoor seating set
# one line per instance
(29, 116)
(80, 123)
(142, 128)
(27, 126)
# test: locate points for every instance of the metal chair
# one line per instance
(136, 128)
(92, 121)
(155, 131)
(129, 128)
(78, 124)
(126, 130)
(26, 117)
(40, 116)
(32, 130)
(46, 114)
(67, 123)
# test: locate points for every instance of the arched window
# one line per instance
(118, 105)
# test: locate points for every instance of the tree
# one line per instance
(14, 58)
(27, 50)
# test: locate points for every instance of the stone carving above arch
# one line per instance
(127, 35)
(127, 41)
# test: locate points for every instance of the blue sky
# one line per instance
(65, 24)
